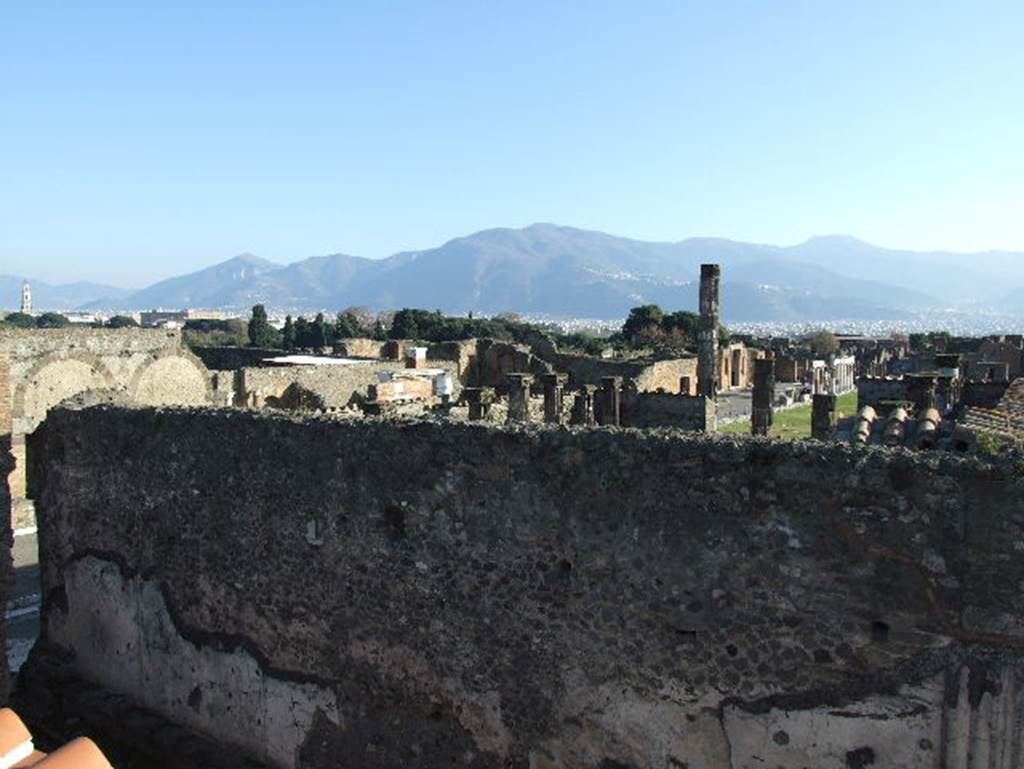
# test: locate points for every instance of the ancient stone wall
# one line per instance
(333, 384)
(462, 354)
(47, 366)
(982, 394)
(649, 375)
(359, 347)
(654, 409)
(1003, 352)
(461, 595)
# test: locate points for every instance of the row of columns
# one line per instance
(592, 405)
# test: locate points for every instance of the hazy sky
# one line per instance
(139, 142)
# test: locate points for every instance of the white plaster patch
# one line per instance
(125, 640)
(902, 731)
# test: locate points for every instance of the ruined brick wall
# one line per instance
(462, 354)
(359, 347)
(1003, 352)
(460, 595)
(654, 409)
(982, 394)
(334, 384)
(47, 366)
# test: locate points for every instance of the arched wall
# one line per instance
(172, 378)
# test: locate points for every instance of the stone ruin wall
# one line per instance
(390, 594)
(47, 366)
(657, 409)
(333, 384)
(649, 376)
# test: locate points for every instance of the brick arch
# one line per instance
(58, 376)
(171, 377)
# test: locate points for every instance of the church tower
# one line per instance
(26, 298)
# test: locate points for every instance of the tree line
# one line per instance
(57, 320)
(646, 327)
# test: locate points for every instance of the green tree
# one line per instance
(122, 321)
(823, 343)
(303, 338)
(642, 319)
(685, 324)
(261, 333)
(288, 336)
(346, 326)
(52, 320)
(318, 332)
(19, 320)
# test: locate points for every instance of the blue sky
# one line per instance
(143, 140)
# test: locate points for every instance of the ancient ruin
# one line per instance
(538, 597)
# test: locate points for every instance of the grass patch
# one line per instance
(794, 424)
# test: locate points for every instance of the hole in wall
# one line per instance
(879, 631)
(394, 524)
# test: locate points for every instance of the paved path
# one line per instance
(23, 606)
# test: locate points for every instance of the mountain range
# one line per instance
(561, 272)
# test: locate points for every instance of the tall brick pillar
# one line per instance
(554, 385)
(519, 397)
(707, 343)
(611, 401)
(823, 417)
(764, 394)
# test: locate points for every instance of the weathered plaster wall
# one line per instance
(453, 594)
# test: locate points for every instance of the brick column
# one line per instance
(554, 385)
(479, 400)
(823, 417)
(519, 397)
(764, 394)
(611, 401)
(707, 343)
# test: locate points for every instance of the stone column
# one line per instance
(764, 394)
(611, 401)
(707, 347)
(823, 417)
(583, 406)
(479, 400)
(519, 397)
(553, 387)
(921, 391)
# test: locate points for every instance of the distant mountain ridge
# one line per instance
(560, 272)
